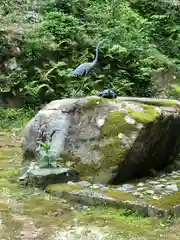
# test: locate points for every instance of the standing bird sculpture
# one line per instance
(85, 68)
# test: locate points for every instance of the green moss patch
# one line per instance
(4, 156)
(149, 114)
(115, 123)
(86, 170)
(167, 202)
(166, 103)
(64, 187)
(119, 195)
(49, 213)
(46, 210)
(112, 153)
(11, 227)
(123, 223)
(8, 186)
(102, 176)
(9, 173)
(159, 102)
(92, 103)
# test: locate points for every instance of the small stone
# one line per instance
(127, 187)
(129, 120)
(137, 194)
(150, 192)
(100, 122)
(105, 188)
(173, 182)
(70, 182)
(85, 207)
(95, 186)
(140, 189)
(159, 186)
(163, 175)
(140, 184)
(124, 111)
(122, 136)
(118, 189)
(172, 187)
(153, 182)
(125, 141)
(11, 63)
(139, 126)
(133, 135)
(162, 180)
(84, 183)
(134, 107)
(168, 192)
(156, 197)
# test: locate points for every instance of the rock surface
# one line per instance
(107, 140)
(41, 177)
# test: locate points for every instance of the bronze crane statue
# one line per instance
(85, 68)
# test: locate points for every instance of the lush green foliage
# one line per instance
(14, 118)
(164, 24)
(42, 41)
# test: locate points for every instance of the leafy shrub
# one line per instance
(164, 23)
(141, 36)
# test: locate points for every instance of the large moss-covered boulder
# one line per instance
(107, 140)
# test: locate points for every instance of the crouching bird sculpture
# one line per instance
(85, 68)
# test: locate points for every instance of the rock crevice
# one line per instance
(156, 147)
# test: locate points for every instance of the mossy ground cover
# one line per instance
(48, 213)
(168, 202)
(121, 222)
(19, 205)
(28, 212)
